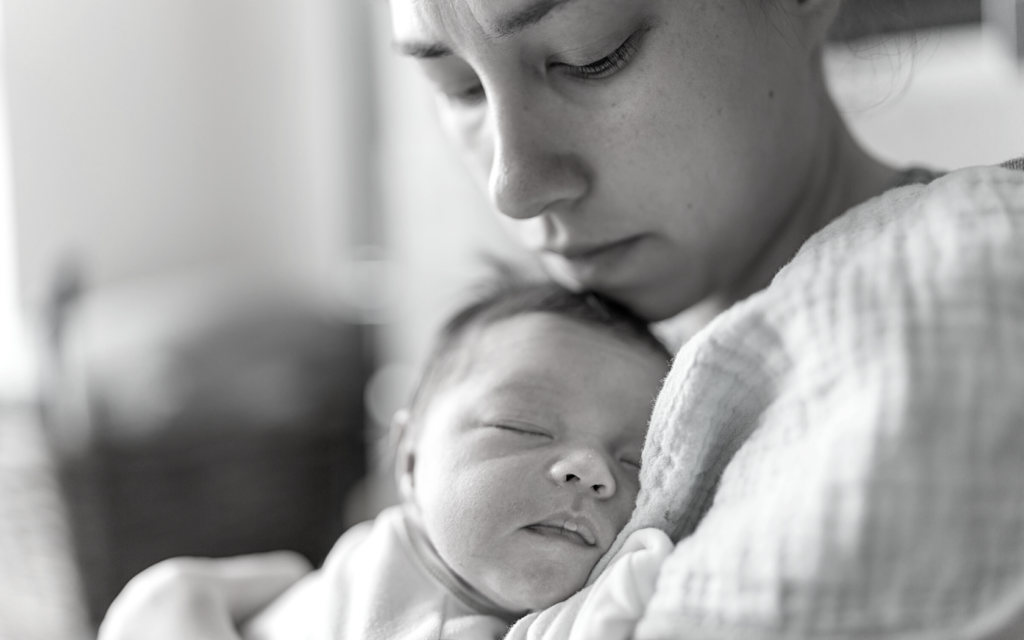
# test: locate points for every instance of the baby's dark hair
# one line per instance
(509, 297)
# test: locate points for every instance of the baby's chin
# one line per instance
(541, 603)
(529, 570)
(521, 593)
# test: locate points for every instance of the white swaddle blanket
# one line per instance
(842, 455)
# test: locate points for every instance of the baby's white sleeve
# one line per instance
(298, 614)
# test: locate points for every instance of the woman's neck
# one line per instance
(843, 175)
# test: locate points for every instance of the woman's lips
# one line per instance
(575, 252)
(591, 264)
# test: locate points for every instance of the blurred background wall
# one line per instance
(156, 145)
(158, 135)
(945, 98)
(192, 182)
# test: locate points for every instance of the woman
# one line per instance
(674, 156)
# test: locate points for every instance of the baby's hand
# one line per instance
(199, 598)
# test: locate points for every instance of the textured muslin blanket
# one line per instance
(842, 455)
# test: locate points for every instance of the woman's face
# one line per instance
(646, 149)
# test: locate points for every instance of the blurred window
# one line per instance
(14, 360)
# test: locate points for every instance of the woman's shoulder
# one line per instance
(901, 315)
(957, 213)
(875, 386)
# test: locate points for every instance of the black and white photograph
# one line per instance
(511, 319)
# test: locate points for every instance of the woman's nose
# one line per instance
(532, 171)
(586, 471)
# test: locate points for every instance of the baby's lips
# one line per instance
(581, 528)
(575, 522)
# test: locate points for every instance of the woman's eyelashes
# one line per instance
(631, 465)
(468, 96)
(609, 64)
(455, 80)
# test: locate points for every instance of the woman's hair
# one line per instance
(507, 297)
(860, 18)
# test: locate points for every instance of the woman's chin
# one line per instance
(651, 299)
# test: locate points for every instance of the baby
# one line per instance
(517, 465)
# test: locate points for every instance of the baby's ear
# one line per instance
(405, 453)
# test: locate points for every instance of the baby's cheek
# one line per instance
(621, 510)
(465, 521)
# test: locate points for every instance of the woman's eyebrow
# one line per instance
(502, 27)
(516, 21)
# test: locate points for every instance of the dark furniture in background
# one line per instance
(203, 419)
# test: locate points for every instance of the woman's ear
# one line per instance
(810, 18)
(405, 453)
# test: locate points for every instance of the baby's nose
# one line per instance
(586, 471)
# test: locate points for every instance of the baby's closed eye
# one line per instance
(631, 462)
(522, 430)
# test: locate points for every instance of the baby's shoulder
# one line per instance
(306, 610)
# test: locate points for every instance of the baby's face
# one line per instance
(526, 464)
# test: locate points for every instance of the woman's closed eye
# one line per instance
(454, 79)
(472, 94)
(467, 96)
(609, 64)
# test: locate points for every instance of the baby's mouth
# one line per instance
(569, 529)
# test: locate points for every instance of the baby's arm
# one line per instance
(199, 599)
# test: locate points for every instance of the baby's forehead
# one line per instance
(535, 329)
(537, 326)
(535, 356)
(478, 348)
